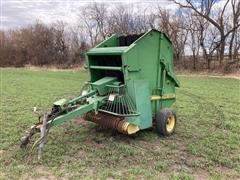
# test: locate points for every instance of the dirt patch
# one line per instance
(187, 162)
(188, 159)
(45, 174)
(225, 171)
(80, 121)
(201, 175)
(81, 155)
(1, 152)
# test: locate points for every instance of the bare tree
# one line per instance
(5, 49)
(235, 21)
(77, 45)
(60, 45)
(120, 20)
(172, 26)
(205, 10)
(94, 17)
(194, 36)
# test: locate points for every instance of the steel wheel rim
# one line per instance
(170, 123)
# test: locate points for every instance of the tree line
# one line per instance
(205, 34)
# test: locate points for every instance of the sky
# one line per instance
(19, 13)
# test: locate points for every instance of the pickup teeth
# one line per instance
(119, 102)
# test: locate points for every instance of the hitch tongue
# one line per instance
(38, 127)
(25, 140)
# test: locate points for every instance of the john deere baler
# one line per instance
(132, 83)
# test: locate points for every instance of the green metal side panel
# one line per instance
(100, 85)
(110, 42)
(144, 55)
(107, 50)
(139, 91)
(132, 59)
(151, 59)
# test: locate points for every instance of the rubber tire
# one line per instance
(161, 121)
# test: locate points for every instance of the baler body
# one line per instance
(143, 65)
(132, 81)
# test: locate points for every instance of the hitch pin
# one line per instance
(34, 109)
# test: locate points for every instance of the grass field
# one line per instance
(206, 144)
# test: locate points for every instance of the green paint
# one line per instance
(102, 85)
(60, 103)
(90, 93)
(73, 114)
(139, 91)
(107, 50)
(145, 66)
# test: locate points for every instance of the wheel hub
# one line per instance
(170, 123)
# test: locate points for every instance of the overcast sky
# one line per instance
(19, 13)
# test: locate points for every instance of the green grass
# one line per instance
(206, 143)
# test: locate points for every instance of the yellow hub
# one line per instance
(170, 123)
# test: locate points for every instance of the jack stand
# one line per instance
(42, 138)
